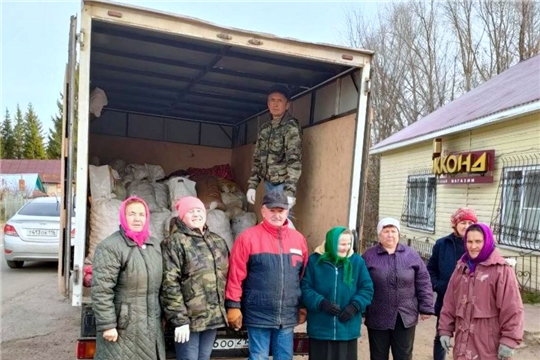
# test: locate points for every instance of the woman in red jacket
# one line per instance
(482, 305)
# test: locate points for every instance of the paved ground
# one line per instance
(37, 323)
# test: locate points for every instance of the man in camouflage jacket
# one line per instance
(277, 158)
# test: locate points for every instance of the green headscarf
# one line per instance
(331, 254)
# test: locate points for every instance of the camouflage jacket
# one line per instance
(195, 270)
(278, 155)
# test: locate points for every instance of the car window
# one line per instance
(41, 209)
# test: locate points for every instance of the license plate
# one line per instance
(224, 344)
(35, 232)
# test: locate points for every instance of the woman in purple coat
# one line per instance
(402, 293)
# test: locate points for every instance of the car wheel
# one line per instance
(15, 264)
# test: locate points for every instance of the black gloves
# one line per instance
(330, 307)
(348, 312)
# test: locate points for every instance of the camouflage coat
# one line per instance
(278, 155)
(195, 270)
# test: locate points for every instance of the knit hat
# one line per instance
(187, 203)
(463, 214)
(388, 221)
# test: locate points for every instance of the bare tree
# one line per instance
(429, 52)
(528, 14)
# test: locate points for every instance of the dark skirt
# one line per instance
(333, 350)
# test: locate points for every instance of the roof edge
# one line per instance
(501, 116)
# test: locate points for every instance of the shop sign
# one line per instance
(475, 167)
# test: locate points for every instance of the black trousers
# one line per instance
(333, 350)
(400, 340)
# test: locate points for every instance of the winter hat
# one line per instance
(463, 214)
(388, 221)
(187, 203)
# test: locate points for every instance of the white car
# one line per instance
(33, 233)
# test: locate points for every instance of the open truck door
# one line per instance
(65, 264)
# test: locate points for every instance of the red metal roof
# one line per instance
(49, 170)
(518, 85)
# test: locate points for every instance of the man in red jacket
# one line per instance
(263, 292)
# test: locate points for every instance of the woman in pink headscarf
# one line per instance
(482, 307)
(126, 279)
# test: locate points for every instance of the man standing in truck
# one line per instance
(263, 292)
(277, 158)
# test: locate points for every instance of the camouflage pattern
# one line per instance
(195, 270)
(278, 155)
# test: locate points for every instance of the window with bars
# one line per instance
(419, 207)
(520, 202)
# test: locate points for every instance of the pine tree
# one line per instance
(18, 134)
(8, 142)
(33, 136)
(54, 143)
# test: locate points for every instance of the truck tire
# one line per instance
(15, 264)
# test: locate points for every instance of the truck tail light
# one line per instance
(10, 230)
(86, 349)
(72, 233)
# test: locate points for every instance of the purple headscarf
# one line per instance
(487, 249)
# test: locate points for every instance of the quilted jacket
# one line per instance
(126, 280)
(194, 274)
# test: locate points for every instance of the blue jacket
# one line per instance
(325, 281)
(446, 253)
(265, 269)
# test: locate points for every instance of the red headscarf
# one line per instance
(139, 237)
(463, 214)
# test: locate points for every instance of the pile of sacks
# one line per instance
(111, 184)
(225, 203)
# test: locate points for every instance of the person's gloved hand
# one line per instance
(291, 200)
(234, 318)
(110, 335)
(181, 334)
(347, 313)
(251, 193)
(302, 316)
(330, 307)
(505, 352)
(445, 343)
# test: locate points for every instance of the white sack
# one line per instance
(180, 187)
(145, 191)
(101, 182)
(241, 223)
(157, 221)
(231, 200)
(104, 220)
(162, 195)
(98, 100)
(155, 172)
(219, 223)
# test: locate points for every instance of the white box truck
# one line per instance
(187, 93)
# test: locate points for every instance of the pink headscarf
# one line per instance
(139, 237)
